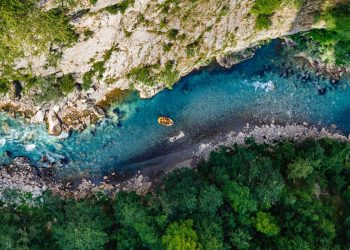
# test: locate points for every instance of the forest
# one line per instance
(288, 195)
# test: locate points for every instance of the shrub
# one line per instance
(97, 67)
(167, 47)
(87, 80)
(262, 22)
(4, 86)
(67, 83)
(192, 49)
(88, 34)
(263, 9)
(142, 74)
(172, 34)
(169, 75)
(120, 7)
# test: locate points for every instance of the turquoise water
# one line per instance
(254, 91)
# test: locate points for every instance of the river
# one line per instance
(207, 102)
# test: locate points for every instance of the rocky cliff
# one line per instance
(143, 45)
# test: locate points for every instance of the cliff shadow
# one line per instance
(305, 18)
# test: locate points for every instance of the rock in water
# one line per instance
(55, 124)
(99, 111)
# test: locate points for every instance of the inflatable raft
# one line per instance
(165, 121)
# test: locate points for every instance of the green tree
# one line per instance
(241, 238)
(240, 198)
(300, 169)
(210, 232)
(133, 215)
(266, 224)
(210, 199)
(82, 226)
(181, 236)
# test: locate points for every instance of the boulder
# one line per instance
(55, 124)
(98, 111)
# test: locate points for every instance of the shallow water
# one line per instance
(254, 90)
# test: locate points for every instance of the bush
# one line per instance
(262, 22)
(4, 87)
(120, 7)
(93, 2)
(97, 68)
(67, 83)
(88, 34)
(172, 34)
(192, 49)
(142, 74)
(152, 74)
(263, 9)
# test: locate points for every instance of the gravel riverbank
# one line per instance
(26, 179)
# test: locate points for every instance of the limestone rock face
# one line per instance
(145, 35)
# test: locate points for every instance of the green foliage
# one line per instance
(181, 236)
(332, 44)
(266, 224)
(81, 227)
(152, 74)
(168, 75)
(192, 49)
(50, 88)
(97, 70)
(67, 83)
(26, 29)
(299, 169)
(142, 74)
(263, 9)
(120, 7)
(93, 2)
(132, 215)
(172, 34)
(262, 22)
(290, 195)
(167, 47)
(88, 34)
(240, 198)
(4, 86)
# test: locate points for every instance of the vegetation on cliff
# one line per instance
(331, 44)
(28, 30)
(285, 196)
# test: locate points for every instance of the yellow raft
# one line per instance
(165, 121)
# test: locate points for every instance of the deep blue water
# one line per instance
(254, 90)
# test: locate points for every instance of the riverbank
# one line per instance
(24, 178)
